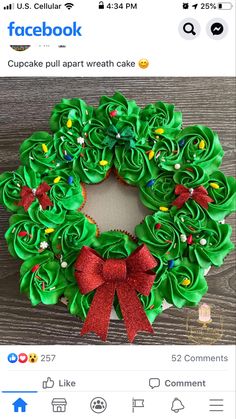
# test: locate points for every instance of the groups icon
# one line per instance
(22, 358)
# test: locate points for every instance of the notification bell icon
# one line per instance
(177, 405)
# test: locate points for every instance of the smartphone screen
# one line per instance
(117, 202)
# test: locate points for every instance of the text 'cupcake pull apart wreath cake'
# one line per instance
(177, 173)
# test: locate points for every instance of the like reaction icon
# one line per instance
(49, 383)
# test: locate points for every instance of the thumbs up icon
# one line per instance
(49, 383)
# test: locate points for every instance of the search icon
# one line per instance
(189, 28)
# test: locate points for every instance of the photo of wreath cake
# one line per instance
(177, 172)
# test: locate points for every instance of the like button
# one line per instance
(49, 383)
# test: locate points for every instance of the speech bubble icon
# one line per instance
(154, 382)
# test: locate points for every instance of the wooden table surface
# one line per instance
(25, 106)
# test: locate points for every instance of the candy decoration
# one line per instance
(49, 230)
(64, 264)
(22, 234)
(171, 263)
(44, 147)
(43, 245)
(177, 166)
(186, 282)
(181, 143)
(159, 131)
(203, 242)
(80, 140)
(68, 157)
(103, 162)
(201, 145)
(151, 154)
(183, 238)
(70, 180)
(214, 185)
(113, 113)
(190, 239)
(158, 226)
(69, 123)
(35, 268)
(57, 179)
(150, 183)
(164, 209)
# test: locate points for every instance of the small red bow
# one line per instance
(121, 276)
(28, 196)
(200, 195)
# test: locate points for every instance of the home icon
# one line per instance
(19, 405)
(59, 405)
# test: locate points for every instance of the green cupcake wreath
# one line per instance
(177, 173)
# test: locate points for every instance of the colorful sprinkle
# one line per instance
(203, 242)
(64, 265)
(159, 131)
(171, 263)
(44, 147)
(44, 245)
(57, 179)
(190, 239)
(183, 238)
(22, 234)
(49, 230)
(80, 140)
(158, 226)
(118, 136)
(164, 209)
(35, 268)
(69, 123)
(70, 180)
(214, 185)
(201, 145)
(181, 143)
(177, 166)
(68, 157)
(151, 154)
(186, 282)
(150, 183)
(113, 113)
(103, 162)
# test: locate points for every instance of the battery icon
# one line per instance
(226, 5)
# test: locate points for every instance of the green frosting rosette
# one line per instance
(212, 245)
(11, 184)
(200, 146)
(42, 279)
(161, 236)
(191, 176)
(67, 240)
(117, 106)
(134, 166)
(184, 285)
(38, 152)
(68, 142)
(222, 189)
(158, 192)
(161, 115)
(189, 219)
(94, 165)
(25, 238)
(73, 110)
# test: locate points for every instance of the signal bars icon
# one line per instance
(69, 5)
(9, 7)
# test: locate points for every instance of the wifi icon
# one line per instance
(69, 5)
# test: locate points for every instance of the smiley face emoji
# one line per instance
(143, 63)
(33, 358)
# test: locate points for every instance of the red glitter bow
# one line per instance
(28, 196)
(200, 195)
(121, 276)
